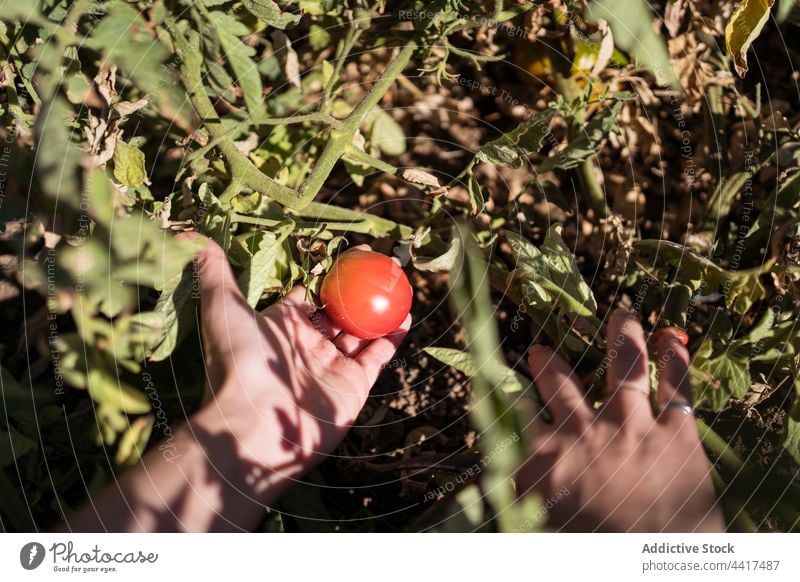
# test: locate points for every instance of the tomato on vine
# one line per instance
(366, 294)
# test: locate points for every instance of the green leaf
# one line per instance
(239, 56)
(224, 22)
(124, 38)
(784, 9)
(13, 446)
(532, 268)
(386, 133)
(129, 165)
(791, 429)
(585, 146)
(494, 416)
(551, 274)
(266, 266)
(513, 147)
(631, 23)
(509, 380)
(564, 270)
(101, 197)
(177, 306)
(718, 378)
(743, 28)
(133, 441)
(57, 157)
(270, 12)
(106, 388)
(742, 291)
(319, 38)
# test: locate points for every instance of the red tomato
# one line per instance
(677, 333)
(367, 294)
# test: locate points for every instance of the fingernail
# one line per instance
(188, 235)
(622, 312)
(538, 350)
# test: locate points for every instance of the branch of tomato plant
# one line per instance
(244, 174)
(342, 52)
(725, 457)
(316, 116)
(587, 175)
(732, 505)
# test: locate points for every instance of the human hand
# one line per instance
(287, 383)
(625, 469)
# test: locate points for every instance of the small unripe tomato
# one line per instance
(366, 294)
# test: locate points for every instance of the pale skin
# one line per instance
(626, 468)
(285, 386)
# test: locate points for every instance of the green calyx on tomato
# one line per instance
(366, 294)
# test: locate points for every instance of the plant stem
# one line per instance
(732, 505)
(587, 176)
(240, 166)
(356, 155)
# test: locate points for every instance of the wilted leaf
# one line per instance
(443, 263)
(123, 37)
(417, 176)
(743, 28)
(477, 196)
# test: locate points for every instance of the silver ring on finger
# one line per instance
(685, 408)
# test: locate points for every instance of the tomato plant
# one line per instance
(639, 169)
(366, 294)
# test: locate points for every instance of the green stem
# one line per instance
(240, 166)
(358, 156)
(785, 512)
(716, 445)
(587, 176)
(345, 48)
(342, 136)
(316, 116)
(732, 505)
